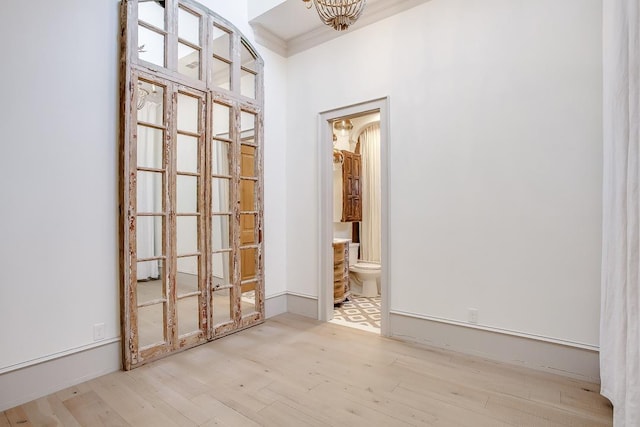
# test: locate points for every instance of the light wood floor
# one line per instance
(293, 371)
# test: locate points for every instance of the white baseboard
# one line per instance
(32, 382)
(304, 305)
(570, 361)
(275, 304)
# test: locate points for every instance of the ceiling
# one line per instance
(290, 27)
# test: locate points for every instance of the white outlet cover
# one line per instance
(98, 332)
(473, 315)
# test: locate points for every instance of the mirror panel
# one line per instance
(221, 120)
(151, 12)
(188, 26)
(221, 43)
(220, 232)
(247, 84)
(248, 299)
(221, 158)
(150, 103)
(222, 269)
(149, 237)
(186, 194)
(188, 61)
(149, 192)
(151, 325)
(187, 154)
(188, 116)
(247, 59)
(221, 74)
(151, 46)
(149, 290)
(222, 306)
(188, 315)
(187, 275)
(146, 272)
(248, 127)
(220, 195)
(150, 144)
(150, 283)
(186, 235)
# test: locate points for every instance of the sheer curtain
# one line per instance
(370, 234)
(620, 318)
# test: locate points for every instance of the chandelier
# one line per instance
(339, 14)
(344, 125)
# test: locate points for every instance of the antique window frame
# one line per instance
(133, 69)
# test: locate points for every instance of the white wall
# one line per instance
(58, 222)
(59, 215)
(275, 172)
(495, 159)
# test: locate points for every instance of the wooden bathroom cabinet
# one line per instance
(341, 289)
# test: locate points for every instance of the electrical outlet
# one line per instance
(98, 332)
(473, 315)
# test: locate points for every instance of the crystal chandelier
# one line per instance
(339, 14)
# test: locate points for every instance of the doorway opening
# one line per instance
(354, 269)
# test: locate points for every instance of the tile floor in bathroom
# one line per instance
(359, 312)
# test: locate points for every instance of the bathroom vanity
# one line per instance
(341, 290)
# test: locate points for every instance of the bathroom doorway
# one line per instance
(353, 166)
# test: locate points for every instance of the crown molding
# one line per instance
(373, 13)
(269, 40)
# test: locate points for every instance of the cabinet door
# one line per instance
(351, 189)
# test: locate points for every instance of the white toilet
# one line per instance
(364, 276)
